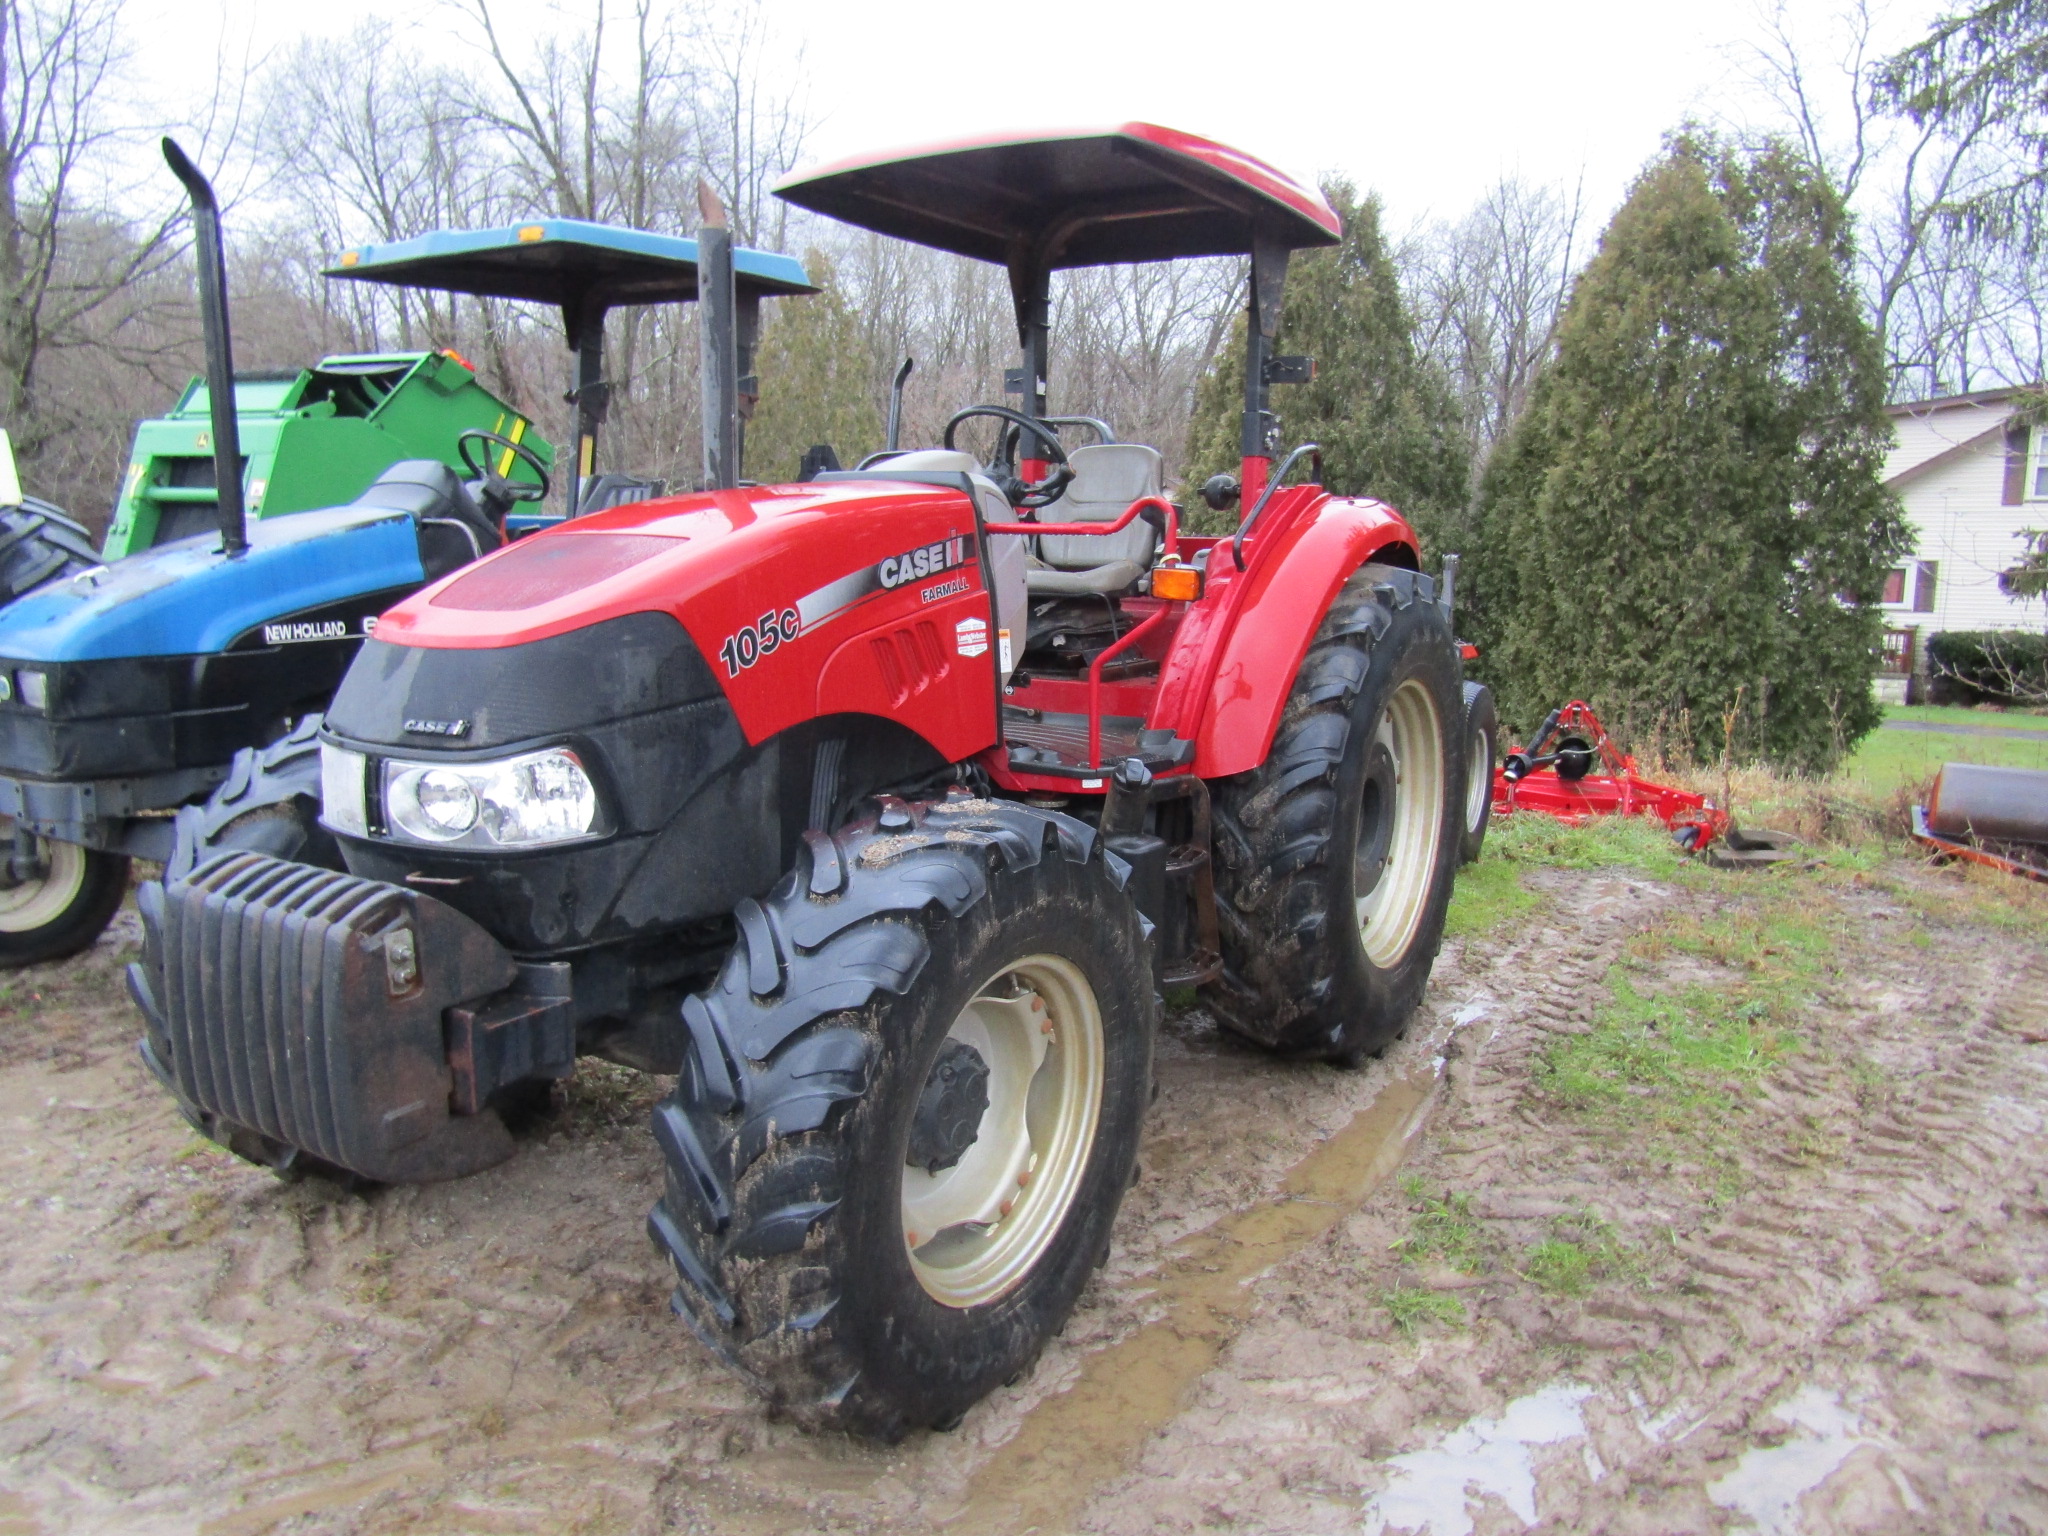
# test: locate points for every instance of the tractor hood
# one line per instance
(780, 588)
(186, 598)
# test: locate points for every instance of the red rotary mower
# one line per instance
(1572, 770)
(878, 808)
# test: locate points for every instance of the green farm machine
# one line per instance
(310, 438)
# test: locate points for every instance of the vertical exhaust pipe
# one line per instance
(718, 343)
(220, 362)
(896, 404)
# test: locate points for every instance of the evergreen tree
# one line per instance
(1386, 418)
(816, 387)
(1688, 522)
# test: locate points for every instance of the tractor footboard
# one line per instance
(296, 1009)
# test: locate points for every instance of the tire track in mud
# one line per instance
(185, 1344)
(1072, 1447)
(1286, 1421)
(1887, 1249)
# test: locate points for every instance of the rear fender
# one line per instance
(1288, 589)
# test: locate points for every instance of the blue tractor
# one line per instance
(164, 679)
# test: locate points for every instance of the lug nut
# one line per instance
(1024, 1178)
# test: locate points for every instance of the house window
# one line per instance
(1894, 587)
(2037, 465)
(1923, 585)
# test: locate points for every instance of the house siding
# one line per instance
(1958, 521)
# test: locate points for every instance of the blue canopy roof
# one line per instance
(571, 263)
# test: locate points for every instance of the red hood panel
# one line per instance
(752, 549)
(804, 599)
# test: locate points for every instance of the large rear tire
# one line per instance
(56, 914)
(908, 1112)
(1482, 751)
(38, 545)
(269, 803)
(1336, 855)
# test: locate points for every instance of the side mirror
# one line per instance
(1221, 491)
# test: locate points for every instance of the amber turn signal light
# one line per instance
(1176, 583)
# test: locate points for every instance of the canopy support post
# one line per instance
(591, 395)
(1259, 437)
(1031, 293)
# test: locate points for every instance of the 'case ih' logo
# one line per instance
(920, 563)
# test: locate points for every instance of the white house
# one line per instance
(1971, 480)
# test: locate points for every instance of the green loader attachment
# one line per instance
(310, 438)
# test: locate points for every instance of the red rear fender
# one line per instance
(1289, 587)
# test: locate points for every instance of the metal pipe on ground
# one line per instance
(1978, 801)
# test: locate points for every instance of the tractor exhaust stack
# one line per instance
(220, 363)
(896, 404)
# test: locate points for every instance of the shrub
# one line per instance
(1991, 664)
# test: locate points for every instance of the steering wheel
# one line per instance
(1046, 491)
(501, 491)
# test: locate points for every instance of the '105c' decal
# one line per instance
(750, 642)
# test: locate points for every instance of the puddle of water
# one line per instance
(1432, 1491)
(1072, 1443)
(1769, 1481)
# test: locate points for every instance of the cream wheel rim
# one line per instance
(1479, 782)
(1397, 884)
(976, 1229)
(36, 904)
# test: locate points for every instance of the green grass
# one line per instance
(1411, 1307)
(1530, 838)
(1887, 760)
(1442, 1229)
(1679, 1068)
(1559, 1266)
(1488, 893)
(1955, 714)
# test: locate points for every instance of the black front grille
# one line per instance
(307, 1005)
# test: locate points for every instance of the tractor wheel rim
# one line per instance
(1479, 782)
(37, 903)
(976, 1229)
(1399, 890)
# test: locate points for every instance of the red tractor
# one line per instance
(880, 809)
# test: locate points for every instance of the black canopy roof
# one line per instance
(1137, 192)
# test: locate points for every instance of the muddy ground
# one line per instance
(1692, 1202)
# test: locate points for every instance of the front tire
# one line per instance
(1335, 856)
(269, 803)
(61, 911)
(908, 1112)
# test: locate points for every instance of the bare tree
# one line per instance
(1953, 315)
(69, 272)
(1488, 292)
(749, 131)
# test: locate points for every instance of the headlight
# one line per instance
(519, 802)
(34, 688)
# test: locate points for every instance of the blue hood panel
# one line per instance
(186, 598)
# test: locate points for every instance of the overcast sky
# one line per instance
(1428, 103)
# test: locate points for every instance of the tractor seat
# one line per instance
(1108, 477)
(453, 531)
